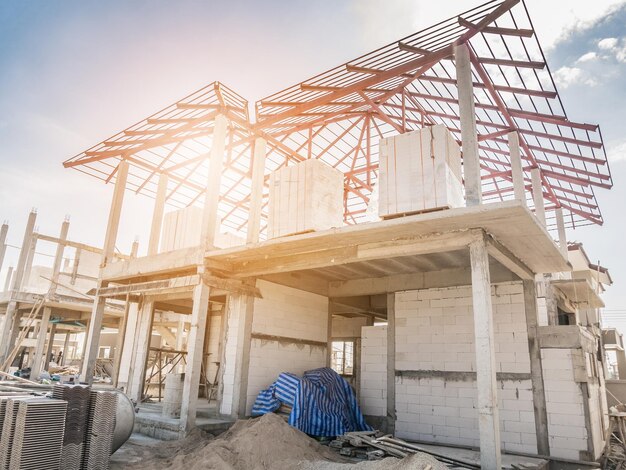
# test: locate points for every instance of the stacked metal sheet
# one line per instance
(101, 424)
(8, 429)
(3, 408)
(38, 434)
(78, 398)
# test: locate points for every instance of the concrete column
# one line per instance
(29, 261)
(58, 257)
(66, 347)
(212, 192)
(128, 351)
(157, 215)
(195, 351)
(97, 313)
(7, 281)
(40, 349)
(119, 344)
(536, 368)
(3, 239)
(143, 336)
(256, 193)
(560, 225)
(540, 211)
(53, 332)
(488, 419)
(5, 335)
(469, 137)
(85, 339)
(620, 355)
(391, 362)
(517, 174)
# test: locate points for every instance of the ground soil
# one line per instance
(257, 444)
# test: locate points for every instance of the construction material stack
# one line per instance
(305, 197)
(419, 171)
(101, 424)
(78, 398)
(38, 435)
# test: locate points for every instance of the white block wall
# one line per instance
(213, 346)
(564, 402)
(290, 313)
(373, 391)
(348, 327)
(434, 332)
(233, 345)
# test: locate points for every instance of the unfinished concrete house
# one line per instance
(396, 216)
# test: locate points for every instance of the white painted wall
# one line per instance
(348, 327)
(289, 313)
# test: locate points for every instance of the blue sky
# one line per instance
(76, 71)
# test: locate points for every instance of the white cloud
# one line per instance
(587, 57)
(607, 43)
(567, 76)
(616, 152)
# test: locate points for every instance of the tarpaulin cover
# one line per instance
(323, 403)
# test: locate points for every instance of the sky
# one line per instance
(74, 72)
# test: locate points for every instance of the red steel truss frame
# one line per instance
(339, 116)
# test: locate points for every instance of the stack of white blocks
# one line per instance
(305, 197)
(419, 171)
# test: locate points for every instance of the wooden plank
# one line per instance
(232, 286)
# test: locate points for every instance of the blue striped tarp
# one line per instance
(323, 403)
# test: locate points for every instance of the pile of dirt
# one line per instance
(262, 444)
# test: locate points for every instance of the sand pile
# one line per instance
(262, 444)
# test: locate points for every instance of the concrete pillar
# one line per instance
(469, 137)
(7, 281)
(391, 362)
(195, 350)
(256, 193)
(537, 186)
(39, 360)
(3, 239)
(128, 351)
(536, 368)
(66, 348)
(212, 192)
(97, 313)
(143, 335)
(29, 261)
(560, 225)
(5, 336)
(157, 215)
(620, 355)
(517, 174)
(488, 419)
(53, 332)
(119, 345)
(85, 339)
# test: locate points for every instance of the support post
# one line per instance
(560, 225)
(329, 336)
(488, 419)
(536, 369)
(391, 362)
(97, 313)
(7, 281)
(3, 246)
(212, 192)
(11, 311)
(32, 248)
(66, 346)
(195, 351)
(157, 215)
(53, 332)
(517, 174)
(119, 345)
(40, 349)
(256, 194)
(540, 211)
(143, 336)
(469, 137)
